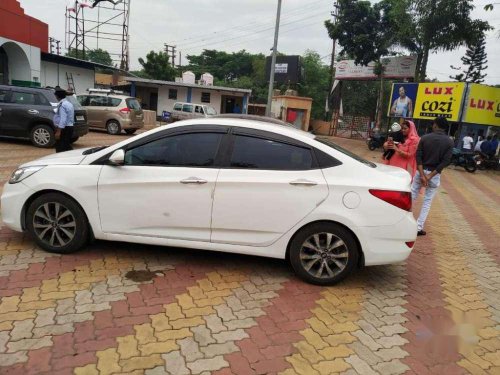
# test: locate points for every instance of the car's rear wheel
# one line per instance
(113, 127)
(57, 223)
(323, 253)
(130, 131)
(42, 136)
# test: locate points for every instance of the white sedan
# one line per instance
(225, 184)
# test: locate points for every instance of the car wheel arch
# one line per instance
(361, 258)
(48, 191)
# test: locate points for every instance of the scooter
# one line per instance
(484, 162)
(466, 160)
(375, 141)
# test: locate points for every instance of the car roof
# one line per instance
(24, 88)
(255, 122)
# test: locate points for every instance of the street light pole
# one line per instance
(273, 61)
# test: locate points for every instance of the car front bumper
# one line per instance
(13, 198)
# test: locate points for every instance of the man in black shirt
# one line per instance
(433, 155)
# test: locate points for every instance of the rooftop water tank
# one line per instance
(207, 79)
(188, 77)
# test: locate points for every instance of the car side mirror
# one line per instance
(117, 157)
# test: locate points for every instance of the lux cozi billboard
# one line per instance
(482, 105)
(439, 99)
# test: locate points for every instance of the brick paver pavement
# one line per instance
(208, 313)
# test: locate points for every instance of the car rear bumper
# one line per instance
(387, 243)
(80, 130)
(13, 199)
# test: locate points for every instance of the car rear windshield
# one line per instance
(70, 98)
(335, 146)
(133, 104)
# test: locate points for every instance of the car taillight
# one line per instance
(410, 244)
(125, 110)
(401, 199)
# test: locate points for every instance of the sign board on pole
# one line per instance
(483, 105)
(395, 67)
(287, 70)
(439, 99)
(281, 68)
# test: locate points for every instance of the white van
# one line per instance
(185, 111)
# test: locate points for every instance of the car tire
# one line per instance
(42, 136)
(74, 139)
(130, 131)
(113, 127)
(323, 253)
(57, 223)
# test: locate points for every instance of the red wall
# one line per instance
(22, 28)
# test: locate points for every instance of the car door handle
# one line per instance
(303, 182)
(33, 112)
(194, 180)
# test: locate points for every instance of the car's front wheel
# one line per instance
(323, 253)
(57, 223)
(42, 136)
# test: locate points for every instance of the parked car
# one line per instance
(224, 184)
(186, 111)
(27, 112)
(113, 112)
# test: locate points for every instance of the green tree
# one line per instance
(475, 60)
(315, 82)
(223, 66)
(98, 56)
(157, 66)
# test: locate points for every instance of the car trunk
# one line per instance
(136, 114)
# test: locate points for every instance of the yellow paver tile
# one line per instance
(332, 367)
(187, 322)
(127, 347)
(140, 363)
(158, 347)
(107, 361)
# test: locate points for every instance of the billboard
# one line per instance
(395, 67)
(439, 99)
(403, 97)
(482, 105)
(287, 69)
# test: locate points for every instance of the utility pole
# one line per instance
(273, 61)
(334, 14)
(51, 45)
(54, 49)
(170, 51)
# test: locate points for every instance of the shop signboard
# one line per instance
(482, 105)
(403, 97)
(439, 99)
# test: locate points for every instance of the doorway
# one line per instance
(229, 103)
(153, 101)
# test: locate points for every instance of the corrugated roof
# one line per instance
(182, 84)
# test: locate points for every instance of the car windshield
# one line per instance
(335, 146)
(210, 111)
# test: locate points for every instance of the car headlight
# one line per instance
(21, 173)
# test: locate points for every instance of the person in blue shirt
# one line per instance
(63, 120)
(237, 108)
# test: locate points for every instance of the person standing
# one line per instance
(467, 143)
(477, 147)
(433, 155)
(404, 156)
(63, 120)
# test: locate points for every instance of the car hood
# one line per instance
(61, 158)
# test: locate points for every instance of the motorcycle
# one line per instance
(375, 141)
(466, 160)
(487, 162)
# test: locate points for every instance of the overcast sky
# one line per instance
(232, 25)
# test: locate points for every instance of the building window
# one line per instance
(205, 97)
(172, 94)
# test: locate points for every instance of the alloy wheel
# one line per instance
(54, 224)
(324, 255)
(41, 136)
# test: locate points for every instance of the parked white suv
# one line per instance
(222, 184)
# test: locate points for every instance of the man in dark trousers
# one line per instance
(433, 155)
(63, 120)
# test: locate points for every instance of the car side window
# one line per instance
(41, 100)
(178, 106)
(3, 96)
(83, 100)
(98, 101)
(23, 98)
(114, 102)
(187, 108)
(182, 150)
(260, 153)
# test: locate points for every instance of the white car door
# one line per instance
(268, 187)
(165, 189)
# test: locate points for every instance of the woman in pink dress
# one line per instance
(405, 155)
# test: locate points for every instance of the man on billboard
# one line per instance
(403, 105)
